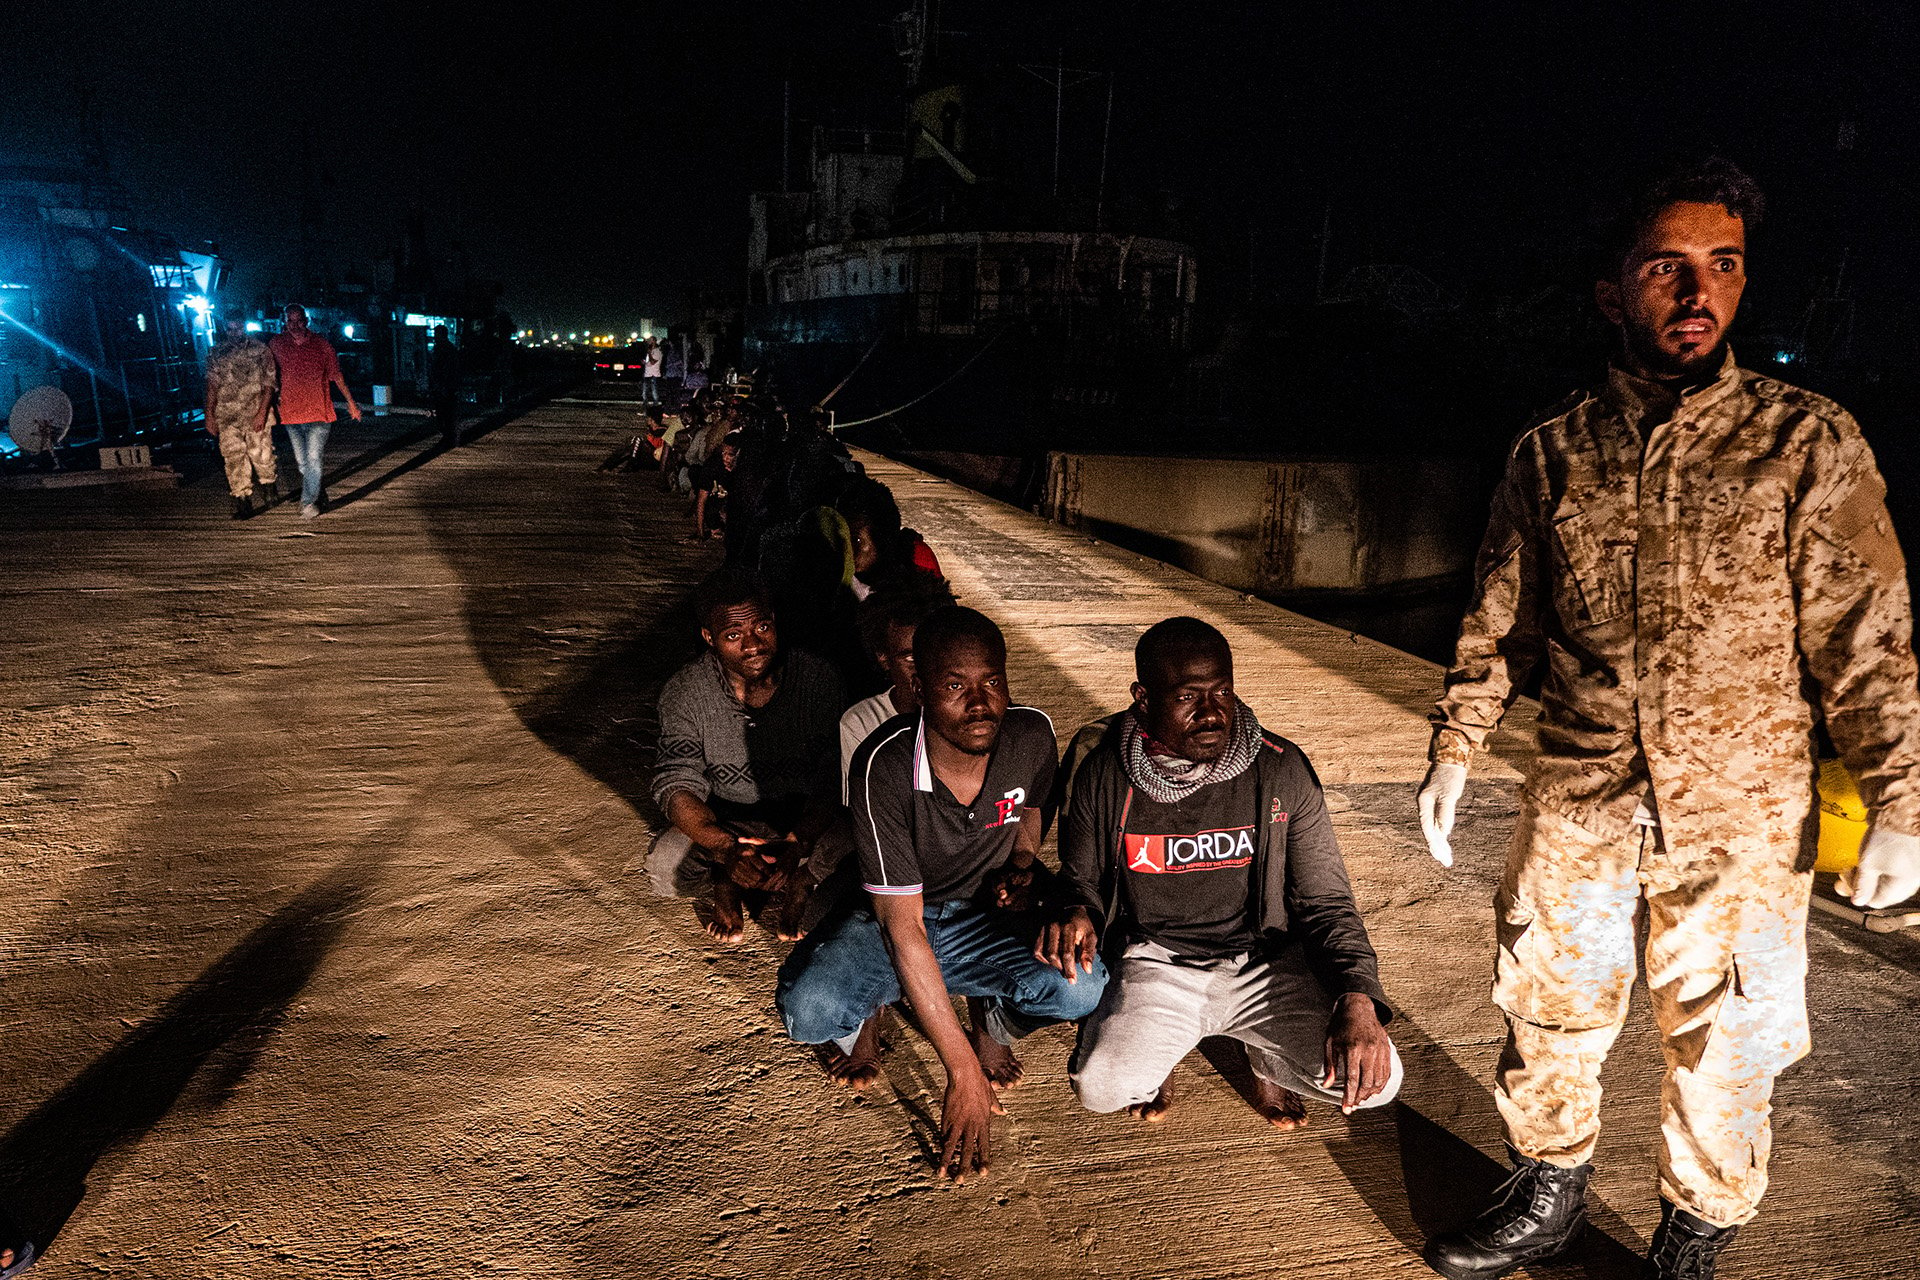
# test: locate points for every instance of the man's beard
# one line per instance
(1668, 367)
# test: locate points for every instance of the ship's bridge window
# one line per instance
(989, 285)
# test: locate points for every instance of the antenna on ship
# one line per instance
(1055, 78)
(910, 37)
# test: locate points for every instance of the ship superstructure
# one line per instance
(118, 318)
(921, 277)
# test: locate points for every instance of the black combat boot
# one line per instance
(1684, 1247)
(1535, 1214)
(243, 507)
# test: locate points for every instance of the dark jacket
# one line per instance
(1300, 888)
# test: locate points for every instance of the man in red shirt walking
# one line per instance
(309, 371)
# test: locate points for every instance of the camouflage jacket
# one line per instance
(1696, 573)
(246, 376)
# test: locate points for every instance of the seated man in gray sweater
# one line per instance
(747, 769)
(1196, 849)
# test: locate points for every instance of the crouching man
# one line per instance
(947, 822)
(1198, 848)
(746, 770)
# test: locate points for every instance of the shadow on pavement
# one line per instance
(366, 459)
(584, 677)
(225, 1018)
(428, 430)
(1444, 1180)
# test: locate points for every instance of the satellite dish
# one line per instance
(40, 419)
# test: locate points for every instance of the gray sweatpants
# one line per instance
(1157, 1010)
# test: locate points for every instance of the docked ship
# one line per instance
(926, 285)
(961, 290)
(117, 317)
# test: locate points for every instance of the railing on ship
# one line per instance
(142, 396)
(1078, 317)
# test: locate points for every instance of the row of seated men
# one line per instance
(1200, 891)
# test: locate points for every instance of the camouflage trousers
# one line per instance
(247, 453)
(1725, 962)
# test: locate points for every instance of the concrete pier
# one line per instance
(1281, 528)
(328, 950)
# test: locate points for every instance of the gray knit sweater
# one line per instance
(716, 749)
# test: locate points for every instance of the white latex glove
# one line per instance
(1889, 870)
(1439, 795)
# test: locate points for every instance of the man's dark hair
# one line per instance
(950, 625)
(1710, 179)
(867, 501)
(724, 590)
(1172, 636)
(907, 605)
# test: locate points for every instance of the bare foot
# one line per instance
(859, 1069)
(725, 921)
(1155, 1109)
(1284, 1109)
(1003, 1070)
(790, 907)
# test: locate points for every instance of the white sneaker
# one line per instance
(310, 512)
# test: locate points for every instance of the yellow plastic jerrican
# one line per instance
(1843, 819)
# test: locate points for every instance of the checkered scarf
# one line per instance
(1169, 779)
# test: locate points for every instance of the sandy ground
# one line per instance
(328, 948)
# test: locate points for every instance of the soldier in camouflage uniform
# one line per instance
(241, 380)
(1687, 555)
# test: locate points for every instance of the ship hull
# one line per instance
(1020, 341)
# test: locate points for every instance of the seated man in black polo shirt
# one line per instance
(946, 816)
(1197, 847)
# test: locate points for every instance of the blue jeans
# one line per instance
(309, 441)
(649, 391)
(842, 975)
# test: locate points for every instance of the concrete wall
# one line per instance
(1278, 527)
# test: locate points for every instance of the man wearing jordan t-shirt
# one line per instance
(1198, 849)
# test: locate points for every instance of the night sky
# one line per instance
(597, 159)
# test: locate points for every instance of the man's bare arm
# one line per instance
(696, 820)
(966, 1113)
(340, 381)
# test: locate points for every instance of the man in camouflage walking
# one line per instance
(241, 380)
(1698, 561)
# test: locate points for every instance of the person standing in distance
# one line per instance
(1698, 559)
(652, 360)
(309, 371)
(241, 379)
(443, 386)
